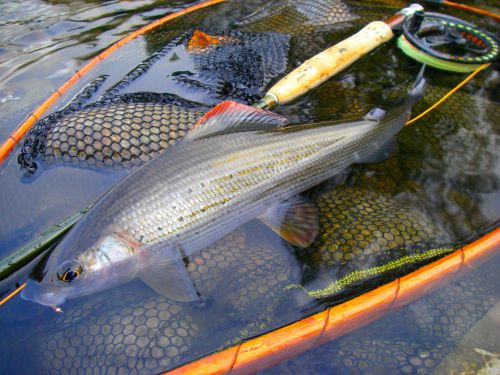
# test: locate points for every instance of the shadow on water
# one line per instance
(441, 189)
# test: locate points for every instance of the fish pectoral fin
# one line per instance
(296, 220)
(168, 276)
(388, 150)
(375, 114)
(233, 117)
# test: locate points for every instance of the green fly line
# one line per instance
(359, 275)
(420, 56)
(425, 32)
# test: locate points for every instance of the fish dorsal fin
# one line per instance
(296, 220)
(168, 276)
(231, 117)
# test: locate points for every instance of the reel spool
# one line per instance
(446, 42)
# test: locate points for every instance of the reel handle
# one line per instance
(327, 63)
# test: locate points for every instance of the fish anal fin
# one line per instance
(296, 220)
(230, 116)
(168, 276)
(389, 149)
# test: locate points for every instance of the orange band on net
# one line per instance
(289, 341)
(16, 136)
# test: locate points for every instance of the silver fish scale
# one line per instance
(212, 185)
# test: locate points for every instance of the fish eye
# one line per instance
(69, 271)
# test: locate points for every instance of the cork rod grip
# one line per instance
(326, 64)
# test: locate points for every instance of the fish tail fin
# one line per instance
(418, 88)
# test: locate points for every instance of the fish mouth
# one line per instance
(35, 292)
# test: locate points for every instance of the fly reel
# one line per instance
(446, 42)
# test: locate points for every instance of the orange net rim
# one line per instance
(26, 125)
(292, 340)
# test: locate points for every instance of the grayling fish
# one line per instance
(239, 163)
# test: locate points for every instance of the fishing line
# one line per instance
(359, 275)
(448, 94)
(13, 294)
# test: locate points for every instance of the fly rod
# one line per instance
(430, 38)
(326, 64)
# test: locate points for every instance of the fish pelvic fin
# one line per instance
(168, 276)
(296, 220)
(232, 117)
